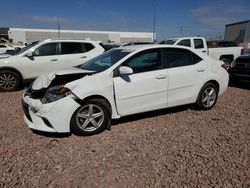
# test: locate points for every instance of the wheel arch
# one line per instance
(215, 83)
(228, 56)
(81, 101)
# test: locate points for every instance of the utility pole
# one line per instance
(58, 28)
(154, 34)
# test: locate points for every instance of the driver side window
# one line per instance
(46, 50)
(146, 61)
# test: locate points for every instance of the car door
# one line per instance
(146, 88)
(75, 53)
(44, 59)
(186, 72)
(199, 45)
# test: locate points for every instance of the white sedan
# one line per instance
(121, 82)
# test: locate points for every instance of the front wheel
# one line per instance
(9, 80)
(207, 97)
(90, 118)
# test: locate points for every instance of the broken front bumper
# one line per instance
(50, 117)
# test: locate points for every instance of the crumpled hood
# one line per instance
(59, 77)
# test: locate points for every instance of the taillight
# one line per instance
(225, 66)
(242, 51)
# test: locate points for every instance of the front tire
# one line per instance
(207, 97)
(9, 80)
(91, 118)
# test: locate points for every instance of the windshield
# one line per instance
(106, 60)
(27, 47)
(171, 41)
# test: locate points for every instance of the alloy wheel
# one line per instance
(90, 117)
(7, 81)
(209, 97)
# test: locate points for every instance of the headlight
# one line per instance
(55, 93)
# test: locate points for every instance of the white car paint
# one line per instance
(215, 53)
(127, 95)
(34, 66)
(4, 47)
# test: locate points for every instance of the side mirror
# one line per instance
(29, 54)
(124, 70)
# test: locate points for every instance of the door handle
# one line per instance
(204, 51)
(83, 57)
(161, 77)
(200, 70)
(53, 59)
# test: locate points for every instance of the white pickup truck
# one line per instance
(220, 50)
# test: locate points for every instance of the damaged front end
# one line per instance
(48, 95)
(48, 105)
(49, 88)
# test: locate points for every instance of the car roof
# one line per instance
(178, 38)
(150, 46)
(71, 40)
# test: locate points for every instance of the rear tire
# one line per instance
(9, 80)
(91, 118)
(207, 97)
(227, 61)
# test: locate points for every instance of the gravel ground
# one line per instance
(168, 148)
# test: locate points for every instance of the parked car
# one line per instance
(5, 47)
(225, 51)
(120, 82)
(40, 57)
(109, 46)
(240, 69)
(136, 43)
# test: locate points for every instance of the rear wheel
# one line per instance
(9, 80)
(90, 118)
(226, 61)
(207, 97)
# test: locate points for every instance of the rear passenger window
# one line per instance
(178, 57)
(185, 42)
(198, 43)
(196, 58)
(87, 47)
(71, 48)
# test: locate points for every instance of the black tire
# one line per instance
(9, 80)
(97, 105)
(203, 104)
(227, 61)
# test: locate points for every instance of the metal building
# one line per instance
(23, 35)
(239, 32)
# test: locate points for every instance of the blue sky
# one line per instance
(196, 17)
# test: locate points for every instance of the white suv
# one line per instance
(45, 56)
